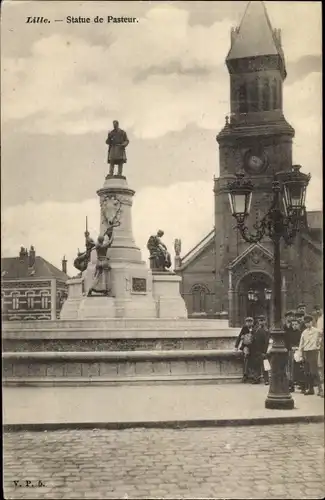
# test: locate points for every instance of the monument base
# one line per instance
(71, 306)
(166, 292)
(96, 307)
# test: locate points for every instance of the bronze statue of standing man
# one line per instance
(117, 141)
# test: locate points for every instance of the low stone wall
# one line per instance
(74, 368)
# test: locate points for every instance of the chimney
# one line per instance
(64, 265)
(31, 257)
(22, 254)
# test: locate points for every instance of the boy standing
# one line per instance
(259, 346)
(243, 343)
(308, 351)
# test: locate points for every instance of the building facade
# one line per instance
(223, 273)
(31, 287)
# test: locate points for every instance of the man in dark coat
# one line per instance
(259, 347)
(297, 372)
(117, 140)
(243, 343)
(287, 327)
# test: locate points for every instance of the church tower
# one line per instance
(257, 140)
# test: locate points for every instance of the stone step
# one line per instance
(37, 342)
(120, 365)
(118, 324)
(114, 333)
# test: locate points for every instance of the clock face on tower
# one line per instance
(255, 161)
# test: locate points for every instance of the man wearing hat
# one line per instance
(288, 335)
(302, 308)
(299, 316)
(243, 343)
(258, 349)
(308, 351)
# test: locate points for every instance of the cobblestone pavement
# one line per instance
(279, 461)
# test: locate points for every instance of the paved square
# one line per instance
(280, 461)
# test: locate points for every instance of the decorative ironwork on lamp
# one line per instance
(289, 192)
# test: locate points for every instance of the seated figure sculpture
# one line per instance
(159, 256)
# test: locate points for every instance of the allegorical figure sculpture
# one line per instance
(117, 141)
(101, 283)
(83, 258)
(159, 256)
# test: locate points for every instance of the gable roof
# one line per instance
(197, 250)
(255, 35)
(14, 267)
(248, 250)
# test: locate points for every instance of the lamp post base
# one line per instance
(279, 402)
(279, 397)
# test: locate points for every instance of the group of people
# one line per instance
(304, 341)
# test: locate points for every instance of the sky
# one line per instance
(165, 79)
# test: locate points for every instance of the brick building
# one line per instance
(31, 287)
(223, 273)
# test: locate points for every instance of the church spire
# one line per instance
(255, 36)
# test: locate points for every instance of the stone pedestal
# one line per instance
(166, 291)
(96, 308)
(75, 294)
(137, 293)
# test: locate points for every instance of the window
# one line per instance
(266, 96)
(45, 300)
(199, 294)
(30, 300)
(253, 91)
(242, 98)
(15, 300)
(274, 94)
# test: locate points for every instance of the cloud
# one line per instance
(70, 83)
(184, 210)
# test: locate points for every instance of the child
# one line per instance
(243, 343)
(308, 351)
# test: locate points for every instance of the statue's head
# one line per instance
(115, 124)
(160, 233)
(100, 239)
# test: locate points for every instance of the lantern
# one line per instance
(294, 185)
(240, 197)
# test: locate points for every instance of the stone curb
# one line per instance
(168, 424)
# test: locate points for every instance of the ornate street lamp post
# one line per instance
(268, 297)
(289, 189)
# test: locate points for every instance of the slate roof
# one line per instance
(14, 267)
(255, 35)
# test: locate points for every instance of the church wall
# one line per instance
(305, 278)
(200, 273)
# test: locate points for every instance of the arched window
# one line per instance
(253, 95)
(242, 98)
(266, 96)
(45, 300)
(274, 94)
(30, 300)
(15, 300)
(199, 293)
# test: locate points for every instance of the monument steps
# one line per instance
(82, 352)
(120, 366)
